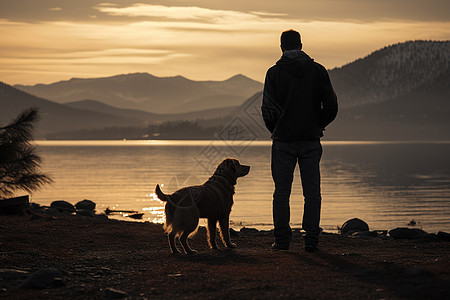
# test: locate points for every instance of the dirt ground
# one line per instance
(99, 256)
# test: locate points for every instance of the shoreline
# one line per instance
(105, 258)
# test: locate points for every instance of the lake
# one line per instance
(387, 184)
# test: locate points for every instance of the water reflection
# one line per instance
(386, 184)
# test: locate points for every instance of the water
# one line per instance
(386, 184)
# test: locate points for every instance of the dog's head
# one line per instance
(231, 167)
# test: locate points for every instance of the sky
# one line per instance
(51, 40)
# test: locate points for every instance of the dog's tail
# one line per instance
(160, 194)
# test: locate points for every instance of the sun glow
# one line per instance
(198, 42)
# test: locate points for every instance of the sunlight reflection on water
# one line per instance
(384, 183)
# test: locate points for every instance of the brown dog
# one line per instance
(212, 200)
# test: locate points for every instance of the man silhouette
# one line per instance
(298, 103)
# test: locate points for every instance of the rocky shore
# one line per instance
(61, 255)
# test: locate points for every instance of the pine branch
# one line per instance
(19, 163)
(27, 182)
(21, 128)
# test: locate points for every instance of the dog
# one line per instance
(212, 200)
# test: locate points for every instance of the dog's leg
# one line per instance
(173, 248)
(184, 243)
(212, 228)
(224, 224)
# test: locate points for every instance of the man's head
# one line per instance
(290, 40)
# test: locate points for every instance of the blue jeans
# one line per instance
(285, 156)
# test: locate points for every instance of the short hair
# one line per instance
(290, 40)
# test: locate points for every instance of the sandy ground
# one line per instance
(98, 256)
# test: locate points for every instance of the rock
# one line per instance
(44, 278)
(84, 212)
(364, 234)
(407, 233)
(85, 204)
(233, 233)
(62, 205)
(101, 217)
(111, 293)
(136, 216)
(35, 207)
(444, 236)
(354, 225)
(248, 230)
(14, 206)
(412, 223)
(12, 273)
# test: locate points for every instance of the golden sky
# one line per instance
(50, 40)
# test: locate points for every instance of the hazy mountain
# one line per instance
(97, 106)
(150, 93)
(392, 71)
(55, 117)
(148, 117)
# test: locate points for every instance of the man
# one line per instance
(298, 103)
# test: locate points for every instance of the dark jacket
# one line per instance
(299, 100)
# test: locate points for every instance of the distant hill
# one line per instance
(148, 117)
(146, 92)
(97, 106)
(391, 72)
(55, 117)
(87, 114)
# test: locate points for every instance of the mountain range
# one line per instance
(399, 92)
(142, 91)
(87, 114)
(391, 72)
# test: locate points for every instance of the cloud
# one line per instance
(182, 13)
(206, 40)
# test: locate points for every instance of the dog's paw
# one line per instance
(192, 252)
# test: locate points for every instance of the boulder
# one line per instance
(85, 204)
(444, 236)
(62, 205)
(364, 234)
(354, 225)
(233, 233)
(14, 206)
(248, 230)
(85, 212)
(407, 233)
(44, 278)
